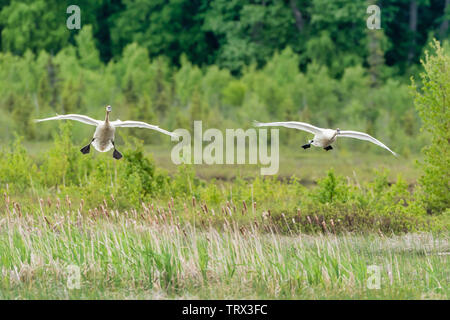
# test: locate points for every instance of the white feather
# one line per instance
(76, 117)
(140, 124)
(364, 136)
(291, 124)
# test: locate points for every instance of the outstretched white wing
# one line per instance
(291, 124)
(364, 136)
(76, 117)
(140, 124)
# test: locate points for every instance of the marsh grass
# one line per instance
(135, 231)
(151, 253)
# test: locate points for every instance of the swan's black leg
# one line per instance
(116, 154)
(86, 149)
(306, 146)
(329, 148)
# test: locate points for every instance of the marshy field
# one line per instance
(354, 236)
(143, 255)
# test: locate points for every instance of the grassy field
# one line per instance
(308, 165)
(137, 254)
(221, 249)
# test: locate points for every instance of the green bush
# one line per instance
(332, 189)
(432, 101)
(17, 169)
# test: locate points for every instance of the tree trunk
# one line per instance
(297, 15)
(444, 24)
(412, 28)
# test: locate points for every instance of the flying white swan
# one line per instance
(103, 139)
(323, 137)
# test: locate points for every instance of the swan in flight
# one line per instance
(323, 138)
(103, 139)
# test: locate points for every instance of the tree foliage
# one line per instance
(230, 33)
(433, 103)
(224, 62)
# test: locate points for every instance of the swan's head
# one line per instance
(338, 131)
(108, 109)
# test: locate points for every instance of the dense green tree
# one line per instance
(165, 28)
(408, 24)
(432, 101)
(87, 51)
(249, 31)
(34, 25)
(328, 44)
(231, 33)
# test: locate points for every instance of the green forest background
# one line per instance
(226, 62)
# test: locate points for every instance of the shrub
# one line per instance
(432, 101)
(332, 188)
(17, 169)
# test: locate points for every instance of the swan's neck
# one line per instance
(107, 118)
(335, 134)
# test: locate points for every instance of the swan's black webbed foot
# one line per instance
(329, 148)
(116, 154)
(306, 146)
(86, 149)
